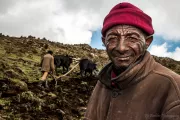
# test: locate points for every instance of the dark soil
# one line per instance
(66, 101)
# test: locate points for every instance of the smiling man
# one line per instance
(132, 86)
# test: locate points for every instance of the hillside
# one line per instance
(20, 96)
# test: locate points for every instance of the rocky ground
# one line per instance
(66, 101)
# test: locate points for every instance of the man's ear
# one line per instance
(149, 39)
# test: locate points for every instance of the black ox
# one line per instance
(64, 61)
(86, 66)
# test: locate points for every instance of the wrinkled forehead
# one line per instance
(124, 29)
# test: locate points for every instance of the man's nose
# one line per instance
(121, 46)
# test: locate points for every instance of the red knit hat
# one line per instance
(128, 14)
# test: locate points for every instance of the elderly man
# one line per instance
(133, 86)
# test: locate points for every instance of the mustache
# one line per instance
(121, 55)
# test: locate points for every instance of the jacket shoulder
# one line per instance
(167, 73)
(172, 80)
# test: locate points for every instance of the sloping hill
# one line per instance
(20, 95)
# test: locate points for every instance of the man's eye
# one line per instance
(132, 38)
(112, 40)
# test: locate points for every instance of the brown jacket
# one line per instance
(47, 63)
(147, 91)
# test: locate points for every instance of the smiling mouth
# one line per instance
(122, 58)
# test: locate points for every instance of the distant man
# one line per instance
(47, 66)
(133, 86)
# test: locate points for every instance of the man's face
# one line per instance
(124, 45)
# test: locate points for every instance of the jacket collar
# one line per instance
(132, 75)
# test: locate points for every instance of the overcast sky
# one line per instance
(79, 21)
